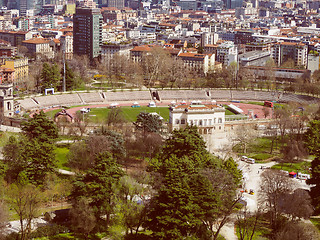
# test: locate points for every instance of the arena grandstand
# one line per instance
(58, 100)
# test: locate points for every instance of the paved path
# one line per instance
(6, 128)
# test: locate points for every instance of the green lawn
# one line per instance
(99, 115)
(316, 222)
(261, 230)
(259, 149)
(4, 137)
(61, 157)
(255, 103)
(302, 167)
(130, 114)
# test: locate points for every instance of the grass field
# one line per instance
(4, 137)
(130, 114)
(61, 157)
(302, 167)
(98, 115)
(259, 149)
(315, 222)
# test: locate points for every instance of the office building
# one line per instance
(87, 32)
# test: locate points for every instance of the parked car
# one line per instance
(244, 158)
(152, 104)
(135, 105)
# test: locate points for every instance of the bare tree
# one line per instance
(155, 65)
(115, 118)
(81, 121)
(25, 200)
(298, 231)
(297, 204)
(247, 223)
(82, 217)
(266, 111)
(273, 185)
(244, 135)
(3, 219)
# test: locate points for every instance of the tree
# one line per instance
(298, 231)
(147, 123)
(37, 148)
(185, 142)
(296, 204)
(312, 137)
(247, 223)
(82, 154)
(11, 157)
(315, 179)
(132, 196)
(273, 186)
(82, 217)
(3, 219)
(232, 167)
(115, 117)
(244, 135)
(25, 200)
(266, 111)
(50, 76)
(71, 79)
(40, 127)
(155, 65)
(97, 185)
(293, 151)
(193, 193)
(172, 210)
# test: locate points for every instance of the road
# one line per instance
(252, 174)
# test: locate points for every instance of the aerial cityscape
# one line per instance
(160, 120)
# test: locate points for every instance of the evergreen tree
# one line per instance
(189, 199)
(232, 167)
(71, 80)
(312, 137)
(33, 154)
(40, 127)
(50, 76)
(147, 123)
(97, 185)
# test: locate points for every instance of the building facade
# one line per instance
(227, 53)
(284, 51)
(209, 118)
(20, 66)
(67, 45)
(38, 47)
(87, 32)
(109, 50)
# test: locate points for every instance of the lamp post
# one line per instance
(64, 67)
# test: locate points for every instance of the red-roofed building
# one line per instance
(66, 41)
(38, 47)
(15, 38)
(201, 63)
(138, 52)
(6, 75)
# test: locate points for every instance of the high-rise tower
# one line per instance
(87, 32)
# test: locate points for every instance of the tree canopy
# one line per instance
(97, 185)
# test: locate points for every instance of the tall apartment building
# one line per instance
(87, 32)
(227, 53)
(283, 51)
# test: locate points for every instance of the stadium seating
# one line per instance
(28, 104)
(47, 101)
(69, 99)
(93, 97)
